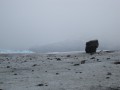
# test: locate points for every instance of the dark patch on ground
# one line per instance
(34, 65)
(99, 87)
(108, 58)
(92, 58)
(76, 64)
(107, 77)
(15, 74)
(8, 66)
(68, 55)
(109, 73)
(58, 59)
(109, 51)
(116, 62)
(57, 73)
(83, 61)
(41, 84)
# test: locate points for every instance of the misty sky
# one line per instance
(28, 23)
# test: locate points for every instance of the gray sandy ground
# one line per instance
(61, 71)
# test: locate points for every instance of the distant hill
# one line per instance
(73, 45)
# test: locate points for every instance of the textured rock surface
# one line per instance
(91, 46)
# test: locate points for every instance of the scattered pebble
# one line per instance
(109, 73)
(78, 72)
(8, 66)
(57, 73)
(34, 65)
(92, 58)
(104, 66)
(108, 58)
(76, 64)
(68, 55)
(83, 61)
(40, 85)
(107, 77)
(48, 58)
(25, 61)
(15, 74)
(69, 69)
(98, 60)
(46, 85)
(116, 62)
(58, 59)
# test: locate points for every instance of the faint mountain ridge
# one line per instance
(64, 46)
(72, 45)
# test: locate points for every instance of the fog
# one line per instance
(29, 23)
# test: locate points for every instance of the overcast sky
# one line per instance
(27, 23)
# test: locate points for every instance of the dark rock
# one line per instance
(78, 72)
(92, 58)
(107, 77)
(91, 46)
(109, 51)
(34, 65)
(108, 58)
(15, 74)
(8, 66)
(58, 59)
(57, 73)
(116, 62)
(40, 85)
(32, 70)
(104, 66)
(68, 55)
(48, 58)
(69, 69)
(97, 59)
(46, 85)
(76, 64)
(83, 61)
(109, 73)
(25, 61)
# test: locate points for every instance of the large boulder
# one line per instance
(91, 46)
